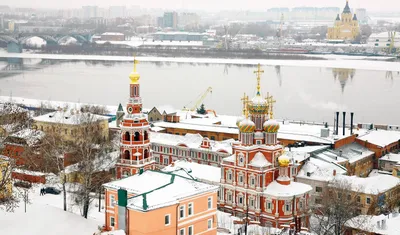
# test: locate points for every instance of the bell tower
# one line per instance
(135, 150)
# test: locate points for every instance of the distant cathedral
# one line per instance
(346, 27)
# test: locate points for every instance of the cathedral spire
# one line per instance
(347, 8)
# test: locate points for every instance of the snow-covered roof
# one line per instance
(46, 220)
(31, 136)
(101, 163)
(392, 157)
(369, 223)
(168, 109)
(371, 185)
(384, 35)
(380, 138)
(160, 189)
(69, 118)
(113, 34)
(206, 173)
(353, 152)
(216, 128)
(280, 190)
(157, 129)
(321, 170)
(259, 160)
(190, 140)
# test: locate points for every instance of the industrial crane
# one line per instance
(198, 101)
(280, 33)
(392, 36)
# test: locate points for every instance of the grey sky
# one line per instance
(376, 5)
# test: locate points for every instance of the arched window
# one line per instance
(135, 91)
(151, 119)
(127, 136)
(127, 155)
(137, 136)
(146, 136)
(146, 154)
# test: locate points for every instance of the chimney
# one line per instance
(334, 172)
(337, 123)
(351, 123)
(344, 123)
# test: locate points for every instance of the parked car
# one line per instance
(52, 190)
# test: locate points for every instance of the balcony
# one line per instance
(136, 162)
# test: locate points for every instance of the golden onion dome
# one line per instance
(258, 105)
(271, 126)
(239, 119)
(134, 76)
(284, 161)
(247, 126)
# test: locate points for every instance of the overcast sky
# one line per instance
(371, 5)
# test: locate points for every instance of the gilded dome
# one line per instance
(134, 76)
(258, 105)
(283, 160)
(247, 126)
(271, 126)
(239, 119)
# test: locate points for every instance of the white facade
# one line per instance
(382, 40)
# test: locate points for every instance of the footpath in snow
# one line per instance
(338, 63)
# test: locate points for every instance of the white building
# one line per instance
(382, 40)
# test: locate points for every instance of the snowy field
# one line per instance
(345, 63)
(44, 215)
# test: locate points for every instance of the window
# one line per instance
(229, 176)
(166, 161)
(269, 205)
(112, 221)
(252, 181)
(209, 224)
(190, 230)
(318, 200)
(166, 220)
(112, 200)
(318, 189)
(376, 44)
(240, 179)
(181, 212)
(251, 203)
(368, 200)
(182, 231)
(301, 205)
(229, 197)
(190, 209)
(166, 150)
(209, 203)
(258, 142)
(240, 200)
(287, 207)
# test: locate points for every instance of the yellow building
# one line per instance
(346, 27)
(72, 124)
(5, 177)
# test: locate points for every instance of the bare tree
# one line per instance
(339, 204)
(8, 199)
(92, 152)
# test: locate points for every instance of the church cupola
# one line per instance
(284, 162)
(271, 128)
(337, 17)
(246, 128)
(347, 8)
(355, 17)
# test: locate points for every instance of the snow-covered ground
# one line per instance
(339, 63)
(45, 215)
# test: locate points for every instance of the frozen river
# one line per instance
(306, 93)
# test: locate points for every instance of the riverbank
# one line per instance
(346, 63)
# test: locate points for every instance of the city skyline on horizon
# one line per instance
(208, 5)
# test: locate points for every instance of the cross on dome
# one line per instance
(134, 75)
(245, 100)
(258, 72)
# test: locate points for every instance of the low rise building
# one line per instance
(174, 203)
(374, 193)
(389, 162)
(374, 225)
(168, 148)
(384, 39)
(381, 142)
(16, 144)
(110, 36)
(72, 124)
